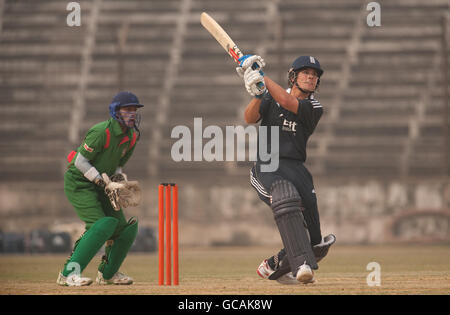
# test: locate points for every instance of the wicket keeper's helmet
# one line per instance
(124, 99)
(301, 63)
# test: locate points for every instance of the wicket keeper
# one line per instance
(106, 148)
(289, 190)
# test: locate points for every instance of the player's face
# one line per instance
(307, 79)
(128, 115)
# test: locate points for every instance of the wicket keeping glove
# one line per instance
(99, 182)
(122, 194)
(119, 177)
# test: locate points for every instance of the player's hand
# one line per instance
(112, 191)
(99, 182)
(254, 82)
(254, 61)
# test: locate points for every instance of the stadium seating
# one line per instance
(381, 89)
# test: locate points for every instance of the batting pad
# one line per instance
(287, 210)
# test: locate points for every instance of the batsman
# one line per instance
(289, 190)
(97, 188)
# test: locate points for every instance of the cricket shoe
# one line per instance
(73, 280)
(264, 270)
(287, 279)
(118, 278)
(305, 274)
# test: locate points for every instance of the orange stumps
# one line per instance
(175, 235)
(165, 233)
(168, 240)
(161, 234)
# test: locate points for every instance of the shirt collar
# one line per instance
(116, 129)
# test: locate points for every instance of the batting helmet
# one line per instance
(307, 62)
(301, 63)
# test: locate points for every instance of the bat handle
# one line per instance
(235, 53)
(255, 66)
(260, 85)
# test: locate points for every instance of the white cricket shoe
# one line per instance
(305, 274)
(288, 279)
(73, 280)
(264, 270)
(118, 278)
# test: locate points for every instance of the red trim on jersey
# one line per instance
(71, 156)
(124, 139)
(108, 137)
(133, 141)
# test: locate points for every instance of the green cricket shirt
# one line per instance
(106, 147)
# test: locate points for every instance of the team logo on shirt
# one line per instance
(87, 148)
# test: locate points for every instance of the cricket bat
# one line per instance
(221, 36)
(225, 41)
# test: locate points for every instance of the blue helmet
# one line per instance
(301, 63)
(123, 99)
(307, 62)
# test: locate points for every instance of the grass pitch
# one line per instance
(404, 270)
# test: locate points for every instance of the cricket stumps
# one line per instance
(165, 219)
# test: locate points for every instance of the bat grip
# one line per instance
(255, 66)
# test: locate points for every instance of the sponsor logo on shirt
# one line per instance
(289, 125)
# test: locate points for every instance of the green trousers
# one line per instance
(94, 209)
(91, 203)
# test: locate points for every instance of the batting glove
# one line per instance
(247, 61)
(254, 82)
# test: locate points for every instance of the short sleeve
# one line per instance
(309, 113)
(93, 143)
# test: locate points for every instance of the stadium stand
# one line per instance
(381, 89)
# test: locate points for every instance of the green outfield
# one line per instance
(405, 269)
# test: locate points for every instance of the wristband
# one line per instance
(91, 174)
